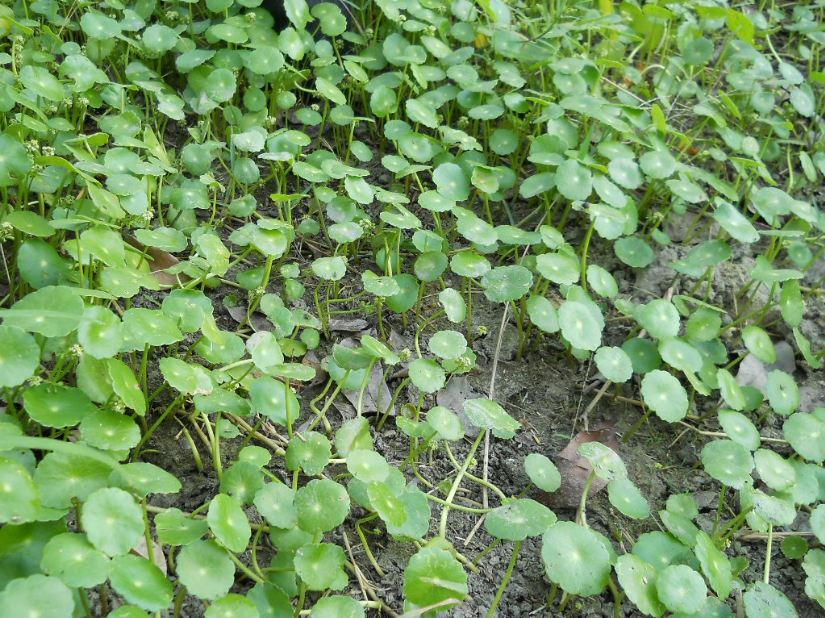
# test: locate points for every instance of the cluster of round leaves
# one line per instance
(429, 74)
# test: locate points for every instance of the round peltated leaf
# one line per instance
(367, 466)
(330, 268)
(487, 414)
(506, 283)
(681, 589)
(543, 314)
(72, 558)
(601, 281)
(759, 344)
(433, 576)
(446, 423)
(561, 268)
(110, 430)
(57, 406)
(633, 251)
(228, 523)
(581, 324)
(774, 470)
(140, 582)
(614, 364)
(728, 462)
(19, 496)
(806, 434)
(447, 344)
(309, 452)
(739, 428)
(274, 399)
(605, 461)
(37, 595)
(19, 357)
(453, 304)
(337, 606)
(625, 173)
(275, 502)
(232, 606)
(112, 520)
(52, 311)
(658, 164)
(575, 558)
(320, 566)
(627, 498)
(173, 527)
(99, 332)
(573, 180)
(542, 472)
(665, 395)
(518, 520)
(638, 581)
(783, 393)
(764, 601)
(451, 182)
(427, 375)
(321, 505)
(205, 569)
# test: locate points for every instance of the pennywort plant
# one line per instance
(266, 243)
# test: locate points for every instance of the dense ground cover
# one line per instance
(413, 307)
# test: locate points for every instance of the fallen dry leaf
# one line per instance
(575, 469)
(159, 261)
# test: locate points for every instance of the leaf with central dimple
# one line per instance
(112, 520)
(518, 520)
(764, 601)
(506, 283)
(427, 375)
(321, 505)
(275, 502)
(542, 472)
(638, 581)
(321, 566)
(19, 356)
(367, 466)
(573, 180)
(728, 462)
(52, 311)
(205, 569)
(38, 596)
(665, 395)
(487, 414)
(309, 452)
(72, 558)
(19, 496)
(561, 268)
(140, 582)
(433, 576)
(447, 344)
(57, 406)
(274, 399)
(581, 324)
(337, 606)
(451, 182)
(576, 558)
(228, 523)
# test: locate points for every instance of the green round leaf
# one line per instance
(447, 344)
(575, 558)
(542, 472)
(433, 576)
(427, 375)
(446, 423)
(37, 595)
(205, 569)
(614, 364)
(487, 414)
(518, 520)
(228, 523)
(112, 520)
(140, 582)
(665, 395)
(506, 283)
(320, 566)
(627, 498)
(764, 601)
(321, 505)
(638, 581)
(728, 462)
(681, 589)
